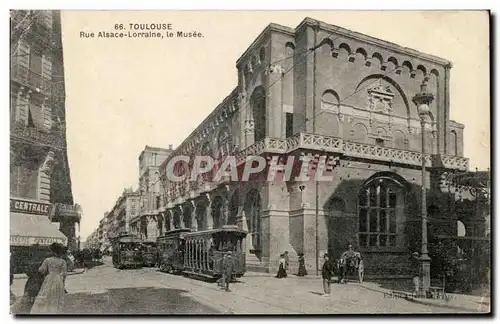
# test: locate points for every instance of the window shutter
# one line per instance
(46, 73)
(37, 114)
(47, 19)
(22, 110)
(23, 54)
(47, 67)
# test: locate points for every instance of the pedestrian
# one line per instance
(349, 262)
(416, 272)
(228, 269)
(281, 267)
(31, 289)
(221, 281)
(327, 273)
(361, 268)
(302, 266)
(50, 299)
(287, 260)
(70, 264)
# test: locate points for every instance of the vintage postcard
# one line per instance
(249, 162)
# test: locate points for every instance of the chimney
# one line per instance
(170, 147)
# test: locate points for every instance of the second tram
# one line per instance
(127, 251)
(171, 250)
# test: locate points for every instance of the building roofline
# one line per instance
(200, 126)
(373, 40)
(156, 149)
(269, 28)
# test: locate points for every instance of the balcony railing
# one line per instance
(327, 144)
(33, 135)
(31, 79)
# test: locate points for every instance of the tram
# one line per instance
(203, 252)
(149, 253)
(127, 251)
(171, 251)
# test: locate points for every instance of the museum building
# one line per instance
(321, 90)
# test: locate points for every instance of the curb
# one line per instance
(72, 273)
(428, 303)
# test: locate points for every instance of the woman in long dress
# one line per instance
(50, 299)
(302, 266)
(282, 267)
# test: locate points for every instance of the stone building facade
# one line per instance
(349, 99)
(321, 90)
(39, 164)
(144, 223)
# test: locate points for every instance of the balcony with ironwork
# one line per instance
(30, 79)
(178, 191)
(22, 133)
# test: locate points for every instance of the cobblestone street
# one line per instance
(106, 290)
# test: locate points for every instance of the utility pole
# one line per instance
(316, 29)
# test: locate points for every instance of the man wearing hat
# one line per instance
(227, 268)
(327, 273)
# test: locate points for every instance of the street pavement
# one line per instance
(106, 290)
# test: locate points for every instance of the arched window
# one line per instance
(330, 100)
(205, 151)
(253, 212)
(258, 103)
(262, 55)
(224, 142)
(453, 143)
(380, 209)
(461, 229)
(217, 213)
(177, 219)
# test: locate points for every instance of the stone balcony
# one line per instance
(32, 135)
(36, 82)
(326, 144)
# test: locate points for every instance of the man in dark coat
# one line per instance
(228, 269)
(327, 273)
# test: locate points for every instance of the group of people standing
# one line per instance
(284, 264)
(45, 288)
(349, 263)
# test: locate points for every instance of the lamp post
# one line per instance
(422, 100)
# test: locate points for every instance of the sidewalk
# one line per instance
(71, 273)
(459, 302)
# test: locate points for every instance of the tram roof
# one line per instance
(129, 238)
(175, 231)
(228, 229)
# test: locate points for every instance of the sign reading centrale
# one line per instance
(29, 207)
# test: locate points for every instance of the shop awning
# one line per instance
(26, 230)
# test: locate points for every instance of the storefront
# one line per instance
(31, 231)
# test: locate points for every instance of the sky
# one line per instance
(122, 95)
